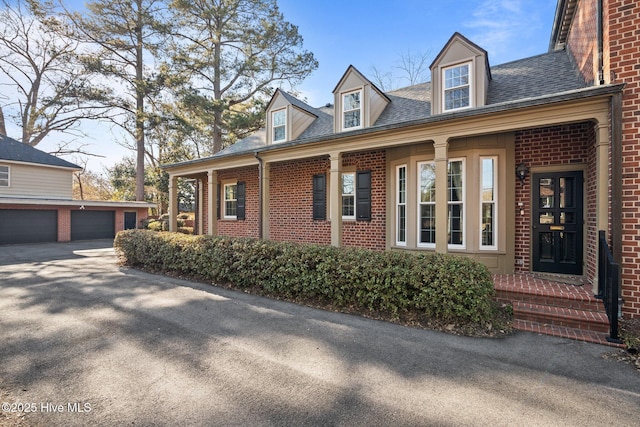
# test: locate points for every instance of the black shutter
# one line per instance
(218, 201)
(319, 197)
(240, 200)
(363, 196)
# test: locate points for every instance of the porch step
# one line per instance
(595, 321)
(549, 307)
(564, 332)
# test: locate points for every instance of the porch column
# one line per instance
(173, 203)
(602, 184)
(442, 209)
(335, 198)
(212, 180)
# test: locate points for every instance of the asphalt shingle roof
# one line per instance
(547, 74)
(15, 151)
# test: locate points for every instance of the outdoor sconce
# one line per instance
(521, 171)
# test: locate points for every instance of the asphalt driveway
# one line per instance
(85, 342)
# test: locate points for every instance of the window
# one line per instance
(455, 176)
(401, 205)
(351, 111)
(348, 196)
(230, 201)
(488, 203)
(456, 84)
(356, 195)
(427, 204)
(279, 123)
(234, 201)
(4, 176)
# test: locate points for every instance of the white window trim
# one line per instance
(348, 217)
(420, 244)
(464, 198)
(493, 247)
(224, 200)
(342, 95)
(398, 204)
(8, 176)
(444, 88)
(273, 126)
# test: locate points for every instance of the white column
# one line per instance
(442, 200)
(212, 218)
(173, 203)
(335, 198)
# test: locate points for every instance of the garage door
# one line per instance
(28, 226)
(87, 225)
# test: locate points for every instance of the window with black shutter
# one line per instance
(363, 196)
(319, 197)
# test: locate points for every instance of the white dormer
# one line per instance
(358, 102)
(460, 76)
(287, 118)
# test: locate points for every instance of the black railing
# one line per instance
(609, 286)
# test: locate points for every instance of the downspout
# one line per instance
(600, 37)
(616, 177)
(260, 191)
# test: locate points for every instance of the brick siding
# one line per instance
(553, 146)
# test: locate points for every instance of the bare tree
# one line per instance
(410, 69)
(46, 87)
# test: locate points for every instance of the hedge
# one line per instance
(444, 287)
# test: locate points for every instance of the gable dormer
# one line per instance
(358, 102)
(287, 117)
(460, 76)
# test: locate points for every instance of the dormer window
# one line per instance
(457, 87)
(4, 176)
(351, 110)
(279, 120)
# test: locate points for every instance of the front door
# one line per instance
(557, 222)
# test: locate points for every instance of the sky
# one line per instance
(375, 33)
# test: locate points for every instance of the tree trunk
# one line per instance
(139, 87)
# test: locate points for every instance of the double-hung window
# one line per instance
(4, 176)
(455, 176)
(230, 201)
(427, 204)
(348, 195)
(401, 205)
(457, 87)
(279, 123)
(351, 110)
(488, 211)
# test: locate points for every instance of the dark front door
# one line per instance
(557, 222)
(130, 220)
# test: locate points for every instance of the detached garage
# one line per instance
(37, 206)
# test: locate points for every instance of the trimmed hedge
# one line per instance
(445, 288)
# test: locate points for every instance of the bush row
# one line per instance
(443, 287)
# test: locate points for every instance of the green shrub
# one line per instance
(445, 288)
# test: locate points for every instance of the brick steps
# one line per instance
(552, 308)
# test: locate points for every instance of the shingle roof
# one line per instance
(546, 74)
(15, 151)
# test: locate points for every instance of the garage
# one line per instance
(88, 224)
(28, 226)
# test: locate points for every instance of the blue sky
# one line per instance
(374, 33)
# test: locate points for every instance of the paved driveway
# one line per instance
(84, 342)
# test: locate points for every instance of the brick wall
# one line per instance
(291, 202)
(249, 227)
(582, 41)
(623, 37)
(558, 145)
(368, 234)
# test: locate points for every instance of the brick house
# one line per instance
(36, 201)
(518, 165)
